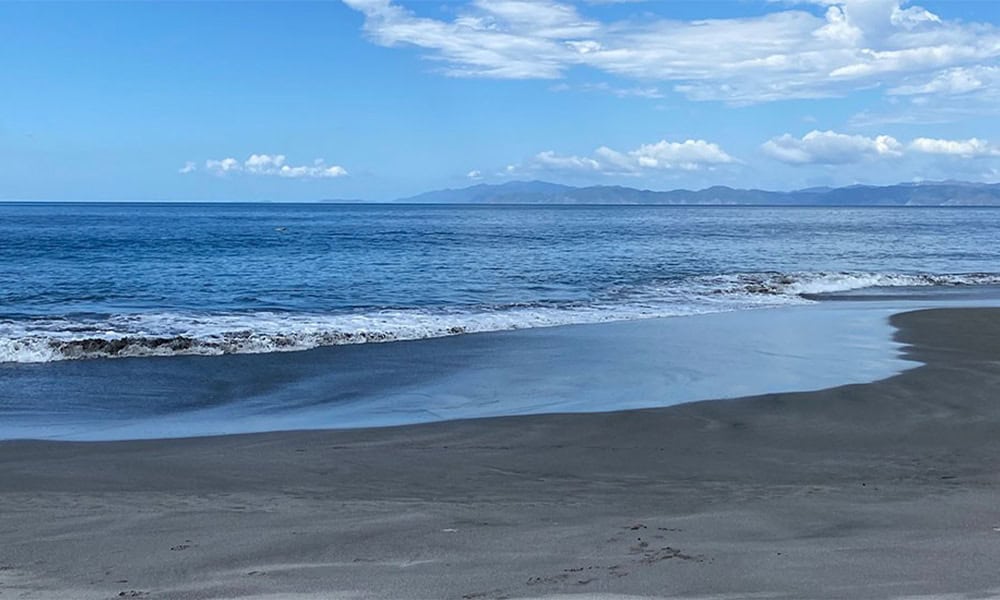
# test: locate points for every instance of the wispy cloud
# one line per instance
(268, 165)
(786, 53)
(648, 92)
(950, 82)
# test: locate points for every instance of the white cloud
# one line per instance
(509, 39)
(223, 166)
(944, 96)
(689, 155)
(272, 165)
(913, 17)
(830, 147)
(264, 164)
(553, 161)
(189, 167)
(956, 81)
(318, 171)
(649, 92)
(970, 148)
(785, 53)
(474, 174)
(839, 28)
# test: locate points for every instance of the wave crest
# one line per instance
(47, 339)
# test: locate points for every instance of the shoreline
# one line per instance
(601, 367)
(877, 490)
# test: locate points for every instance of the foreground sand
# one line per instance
(884, 490)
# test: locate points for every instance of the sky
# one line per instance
(380, 99)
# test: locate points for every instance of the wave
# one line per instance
(46, 339)
(805, 284)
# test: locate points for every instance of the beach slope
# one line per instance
(882, 490)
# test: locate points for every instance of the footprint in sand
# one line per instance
(187, 544)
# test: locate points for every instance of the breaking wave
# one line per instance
(45, 339)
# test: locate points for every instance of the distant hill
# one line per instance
(944, 193)
(514, 192)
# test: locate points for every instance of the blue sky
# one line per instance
(376, 99)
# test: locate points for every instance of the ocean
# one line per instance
(117, 280)
(146, 320)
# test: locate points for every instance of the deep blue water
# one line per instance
(80, 280)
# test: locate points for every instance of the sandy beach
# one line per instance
(881, 490)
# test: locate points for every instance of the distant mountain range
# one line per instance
(943, 193)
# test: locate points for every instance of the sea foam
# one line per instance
(170, 333)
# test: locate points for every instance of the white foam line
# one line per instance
(175, 333)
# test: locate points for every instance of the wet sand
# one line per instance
(882, 490)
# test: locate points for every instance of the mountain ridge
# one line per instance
(940, 193)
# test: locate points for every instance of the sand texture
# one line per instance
(882, 490)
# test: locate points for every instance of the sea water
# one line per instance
(98, 280)
(253, 282)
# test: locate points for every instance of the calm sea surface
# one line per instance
(94, 280)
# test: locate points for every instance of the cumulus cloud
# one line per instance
(689, 155)
(264, 164)
(830, 148)
(189, 167)
(970, 148)
(788, 52)
(222, 166)
(474, 174)
(270, 165)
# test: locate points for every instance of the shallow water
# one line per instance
(584, 368)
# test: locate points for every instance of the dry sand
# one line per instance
(882, 490)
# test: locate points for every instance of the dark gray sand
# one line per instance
(883, 490)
